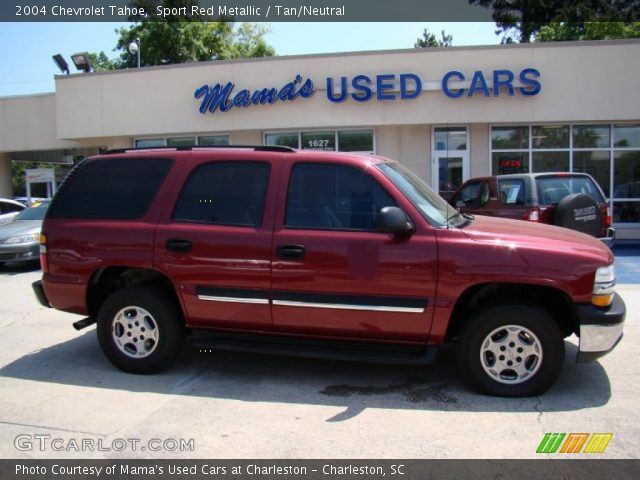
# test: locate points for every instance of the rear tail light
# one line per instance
(607, 219)
(532, 215)
(43, 253)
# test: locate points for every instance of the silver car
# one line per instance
(9, 209)
(20, 238)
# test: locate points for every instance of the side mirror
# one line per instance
(394, 220)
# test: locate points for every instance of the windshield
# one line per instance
(34, 213)
(431, 205)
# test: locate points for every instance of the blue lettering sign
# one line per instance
(381, 86)
(502, 78)
(219, 97)
(343, 90)
(478, 83)
(361, 84)
(405, 93)
(445, 84)
(531, 87)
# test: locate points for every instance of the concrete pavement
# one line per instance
(57, 386)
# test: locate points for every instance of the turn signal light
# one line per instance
(602, 300)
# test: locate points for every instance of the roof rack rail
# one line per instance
(257, 148)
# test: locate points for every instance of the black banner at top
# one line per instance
(241, 10)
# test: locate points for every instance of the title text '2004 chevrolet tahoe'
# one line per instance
(316, 254)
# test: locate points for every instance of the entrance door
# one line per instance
(450, 167)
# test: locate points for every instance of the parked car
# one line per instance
(324, 254)
(9, 209)
(570, 200)
(29, 202)
(20, 238)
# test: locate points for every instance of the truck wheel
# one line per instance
(580, 212)
(511, 351)
(140, 329)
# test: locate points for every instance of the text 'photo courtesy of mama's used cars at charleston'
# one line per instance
(307, 253)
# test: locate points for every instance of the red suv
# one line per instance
(570, 200)
(316, 254)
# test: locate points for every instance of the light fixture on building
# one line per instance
(134, 49)
(81, 61)
(61, 63)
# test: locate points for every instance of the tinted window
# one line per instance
(33, 213)
(511, 191)
(334, 197)
(467, 196)
(224, 193)
(118, 188)
(553, 189)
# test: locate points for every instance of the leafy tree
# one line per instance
(183, 38)
(521, 20)
(430, 40)
(561, 31)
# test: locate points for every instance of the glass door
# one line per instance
(450, 167)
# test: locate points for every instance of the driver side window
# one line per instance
(333, 197)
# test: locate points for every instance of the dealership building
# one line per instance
(449, 114)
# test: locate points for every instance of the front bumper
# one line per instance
(600, 329)
(20, 252)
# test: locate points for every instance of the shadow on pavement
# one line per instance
(17, 268)
(267, 378)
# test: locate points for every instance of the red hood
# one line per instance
(527, 235)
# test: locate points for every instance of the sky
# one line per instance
(26, 66)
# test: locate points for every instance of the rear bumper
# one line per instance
(600, 329)
(40, 293)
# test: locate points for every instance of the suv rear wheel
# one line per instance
(140, 329)
(511, 350)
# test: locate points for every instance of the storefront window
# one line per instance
(181, 142)
(609, 153)
(550, 136)
(626, 136)
(506, 138)
(595, 163)
(212, 140)
(591, 136)
(150, 142)
(288, 139)
(324, 141)
(328, 140)
(550, 162)
(355, 140)
(510, 162)
(451, 138)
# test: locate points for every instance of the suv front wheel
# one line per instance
(140, 329)
(511, 350)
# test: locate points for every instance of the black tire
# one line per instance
(163, 315)
(579, 212)
(544, 366)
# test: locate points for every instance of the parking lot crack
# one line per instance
(536, 407)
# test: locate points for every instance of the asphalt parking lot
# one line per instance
(57, 387)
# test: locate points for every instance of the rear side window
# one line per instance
(334, 197)
(551, 190)
(511, 191)
(110, 188)
(224, 193)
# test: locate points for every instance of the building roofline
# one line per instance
(631, 41)
(27, 95)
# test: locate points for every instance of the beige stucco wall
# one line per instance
(480, 164)
(587, 81)
(29, 123)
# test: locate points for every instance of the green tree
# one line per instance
(183, 38)
(521, 20)
(430, 40)
(563, 31)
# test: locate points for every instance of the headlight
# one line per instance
(603, 286)
(32, 237)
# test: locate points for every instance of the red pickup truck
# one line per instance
(316, 254)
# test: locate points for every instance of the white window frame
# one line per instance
(182, 135)
(335, 131)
